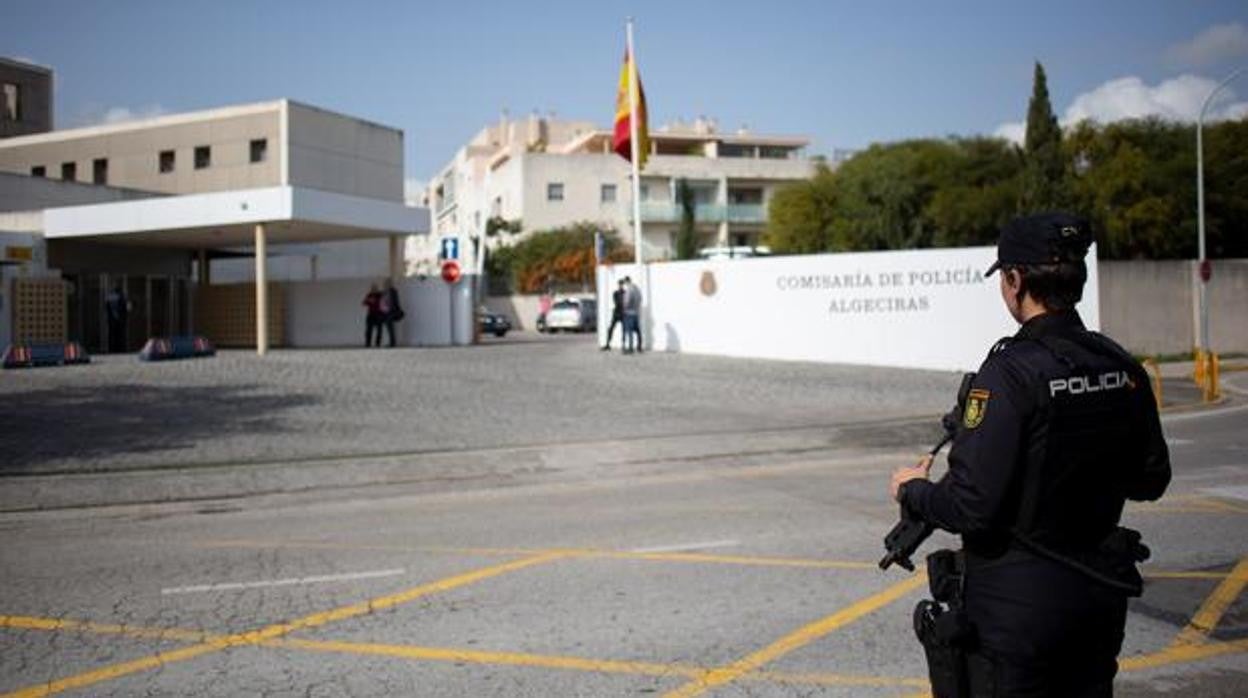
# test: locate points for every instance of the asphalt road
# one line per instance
(739, 572)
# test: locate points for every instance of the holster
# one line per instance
(943, 628)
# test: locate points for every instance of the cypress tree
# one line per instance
(1044, 170)
(687, 235)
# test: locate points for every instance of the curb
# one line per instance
(33, 493)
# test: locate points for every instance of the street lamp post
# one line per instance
(1200, 210)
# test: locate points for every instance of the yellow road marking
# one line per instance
(458, 655)
(445, 654)
(821, 679)
(736, 560)
(60, 624)
(1214, 606)
(272, 632)
(799, 638)
(1177, 654)
(760, 561)
(1164, 574)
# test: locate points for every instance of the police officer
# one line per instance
(1058, 430)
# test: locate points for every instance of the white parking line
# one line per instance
(683, 547)
(318, 579)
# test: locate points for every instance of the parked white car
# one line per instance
(573, 315)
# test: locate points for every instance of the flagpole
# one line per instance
(634, 148)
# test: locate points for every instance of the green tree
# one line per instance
(1044, 174)
(687, 235)
(1134, 179)
(799, 215)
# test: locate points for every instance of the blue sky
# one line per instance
(845, 74)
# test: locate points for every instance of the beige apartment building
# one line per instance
(156, 206)
(549, 173)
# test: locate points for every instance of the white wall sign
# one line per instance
(930, 309)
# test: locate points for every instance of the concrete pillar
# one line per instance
(205, 270)
(396, 258)
(262, 292)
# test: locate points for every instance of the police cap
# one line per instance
(1046, 238)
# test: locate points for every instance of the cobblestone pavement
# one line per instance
(118, 413)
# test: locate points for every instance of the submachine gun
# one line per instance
(910, 532)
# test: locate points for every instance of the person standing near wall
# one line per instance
(390, 309)
(372, 317)
(632, 317)
(117, 307)
(617, 313)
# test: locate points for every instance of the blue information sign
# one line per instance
(450, 248)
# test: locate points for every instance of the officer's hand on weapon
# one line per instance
(901, 476)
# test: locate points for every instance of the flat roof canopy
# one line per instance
(228, 219)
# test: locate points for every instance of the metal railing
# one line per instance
(668, 212)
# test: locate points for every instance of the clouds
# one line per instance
(97, 114)
(1214, 45)
(1173, 99)
(1176, 99)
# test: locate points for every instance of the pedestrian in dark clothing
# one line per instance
(372, 317)
(117, 307)
(1059, 429)
(617, 313)
(390, 309)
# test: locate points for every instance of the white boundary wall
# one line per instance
(331, 314)
(930, 309)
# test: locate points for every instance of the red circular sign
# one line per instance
(1206, 270)
(450, 271)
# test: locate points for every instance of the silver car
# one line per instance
(573, 315)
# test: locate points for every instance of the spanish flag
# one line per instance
(621, 143)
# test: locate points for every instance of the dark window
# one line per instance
(38, 171)
(69, 171)
(10, 102)
(203, 156)
(554, 191)
(260, 150)
(99, 170)
(167, 160)
(608, 193)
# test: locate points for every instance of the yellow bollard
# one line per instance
(1198, 367)
(1213, 391)
(1154, 372)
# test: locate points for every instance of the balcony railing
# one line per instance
(667, 212)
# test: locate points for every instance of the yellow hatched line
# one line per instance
(461, 656)
(65, 625)
(446, 654)
(692, 558)
(1178, 654)
(797, 639)
(272, 632)
(1214, 607)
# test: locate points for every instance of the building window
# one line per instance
(260, 150)
(38, 171)
(608, 194)
(203, 156)
(69, 171)
(167, 161)
(99, 171)
(554, 191)
(11, 107)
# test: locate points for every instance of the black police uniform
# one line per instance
(1059, 429)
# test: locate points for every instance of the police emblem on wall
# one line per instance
(976, 405)
(707, 284)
